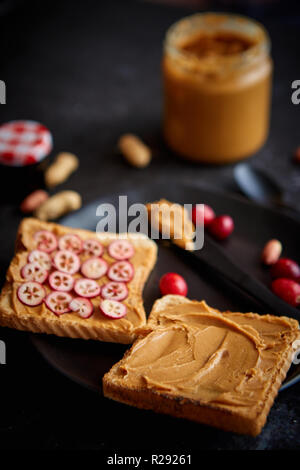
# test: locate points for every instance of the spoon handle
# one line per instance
(292, 379)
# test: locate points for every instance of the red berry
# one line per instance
(297, 155)
(66, 261)
(31, 293)
(287, 290)
(206, 212)
(120, 249)
(221, 227)
(286, 267)
(46, 241)
(82, 306)
(92, 247)
(87, 288)
(94, 268)
(112, 308)
(173, 283)
(71, 242)
(114, 291)
(58, 302)
(121, 271)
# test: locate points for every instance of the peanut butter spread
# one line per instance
(196, 352)
(219, 44)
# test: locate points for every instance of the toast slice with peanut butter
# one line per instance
(222, 369)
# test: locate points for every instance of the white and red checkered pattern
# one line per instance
(24, 143)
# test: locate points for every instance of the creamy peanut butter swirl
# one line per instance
(209, 357)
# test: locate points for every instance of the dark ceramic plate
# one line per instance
(86, 361)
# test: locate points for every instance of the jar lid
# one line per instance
(24, 143)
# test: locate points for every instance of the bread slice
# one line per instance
(194, 362)
(40, 319)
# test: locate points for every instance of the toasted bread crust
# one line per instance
(179, 406)
(74, 327)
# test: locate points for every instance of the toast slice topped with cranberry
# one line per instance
(77, 283)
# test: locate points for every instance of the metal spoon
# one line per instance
(258, 186)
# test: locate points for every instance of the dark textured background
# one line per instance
(91, 71)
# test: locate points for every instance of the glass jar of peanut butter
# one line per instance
(217, 82)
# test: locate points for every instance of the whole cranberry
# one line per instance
(286, 267)
(288, 290)
(205, 211)
(297, 155)
(173, 283)
(221, 227)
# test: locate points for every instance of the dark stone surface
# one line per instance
(91, 73)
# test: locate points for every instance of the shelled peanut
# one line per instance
(134, 150)
(58, 205)
(64, 165)
(271, 252)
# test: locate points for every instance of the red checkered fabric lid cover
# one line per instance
(24, 143)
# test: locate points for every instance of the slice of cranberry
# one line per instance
(62, 282)
(114, 290)
(66, 261)
(94, 268)
(87, 288)
(46, 241)
(70, 242)
(92, 247)
(122, 271)
(113, 309)
(58, 302)
(120, 249)
(31, 293)
(40, 257)
(82, 306)
(34, 272)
